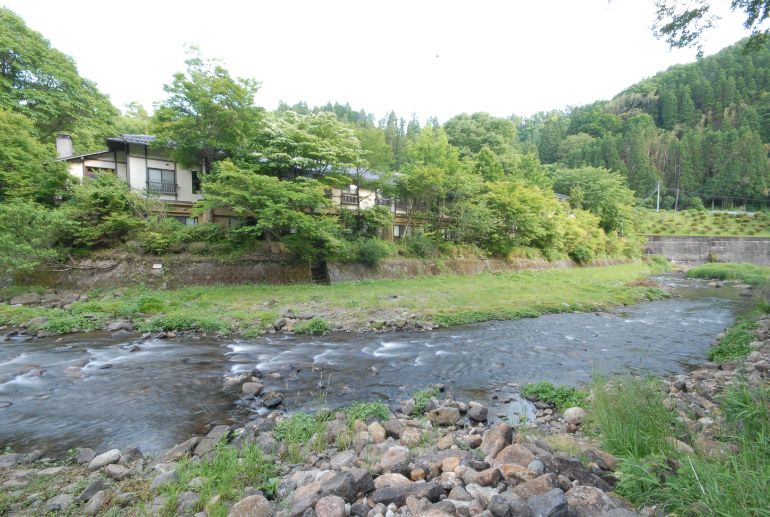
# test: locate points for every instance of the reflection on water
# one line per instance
(101, 391)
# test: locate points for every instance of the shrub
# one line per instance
(315, 327)
(369, 252)
(420, 244)
(561, 396)
(206, 232)
(26, 236)
(581, 254)
(161, 235)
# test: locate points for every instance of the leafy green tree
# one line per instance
(102, 212)
(43, 84)
(292, 212)
(26, 236)
(488, 165)
(471, 133)
(313, 145)
(28, 168)
(603, 192)
(133, 121)
(377, 154)
(208, 115)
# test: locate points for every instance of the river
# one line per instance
(100, 391)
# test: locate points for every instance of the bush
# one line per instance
(150, 304)
(161, 235)
(369, 252)
(561, 396)
(581, 254)
(420, 244)
(314, 327)
(26, 236)
(422, 397)
(206, 232)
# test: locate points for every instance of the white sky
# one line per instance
(434, 58)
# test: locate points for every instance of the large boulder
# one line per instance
(514, 453)
(551, 504)
(206, 445)
(444, 415)
(508, 504)
(104, 459)
(538, 486)
(588, 501)
(330, 506)
(393, 458)
(397, 495)
(496, 439)
(574, 415)
(477, 412)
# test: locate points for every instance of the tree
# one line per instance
(488, 165)
(682, 25)
(602, 192)
(43, 84)
(470, 133)
(26, 236)
(133, 121)
(288, 211)
(208, 115)
(313, 145)
(28, 168)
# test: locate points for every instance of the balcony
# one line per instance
(348, 199)
(161, 187)
(383, 201)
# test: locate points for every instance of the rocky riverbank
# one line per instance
(453, 459)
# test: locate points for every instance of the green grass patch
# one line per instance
(677, 484)
(736, 341)
(365, 410)
(422, 397)
(227, 474)
(561, 396)
(445, 300)
(314, 327)
(746, 273)
(302, 433)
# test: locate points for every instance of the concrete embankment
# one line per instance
(189, 270)
(702, 249)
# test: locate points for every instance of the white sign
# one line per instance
(157, 266)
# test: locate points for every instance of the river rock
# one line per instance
(496, 439)
(251, 506)
(95, 503)
(407, 407)
(397, 495)
(587, 501)
(330, 506)
(117, 472)
(551, 504)
(207, 444)
(508, 504)
(343, 459)
(391, 479)
(394, 427)
(10, 460)
(181, 450)
(444, 415)
(36, 322)
(393, 457)
(26, 299)
(377, 432)
(538, 486)
(252, 389)
(574, 415)
(489, 477)
(272, 399)
(104, 459)
(58, 503)
(95, 486)
(411, 437)
(477, 412)
(164, 479)
(514, 453)
(186, 501)
(117, 325)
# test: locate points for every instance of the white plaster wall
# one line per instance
(138, 172)
(76, 170)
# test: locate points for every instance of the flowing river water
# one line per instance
(94, 391)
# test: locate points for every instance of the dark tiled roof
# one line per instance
(133, 139)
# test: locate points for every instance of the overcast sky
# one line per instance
(434, 58)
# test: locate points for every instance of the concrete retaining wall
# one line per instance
(699, 250)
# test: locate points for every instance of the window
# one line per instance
(188, 221)
(162, 181)
(196, 182)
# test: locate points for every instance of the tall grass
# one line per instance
(747, 273)
(630, 416)
(634, 425)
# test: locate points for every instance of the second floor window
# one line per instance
(162, 181)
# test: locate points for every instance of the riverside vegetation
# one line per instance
(419, 303)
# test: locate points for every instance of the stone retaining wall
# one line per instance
(699, 250)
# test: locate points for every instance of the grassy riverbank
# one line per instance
(692, 222)
(364, 305)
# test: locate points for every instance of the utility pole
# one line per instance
(676, 203)
(657, 209)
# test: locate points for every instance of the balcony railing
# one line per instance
(383, 201)
(348, 199)
(162, 187)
